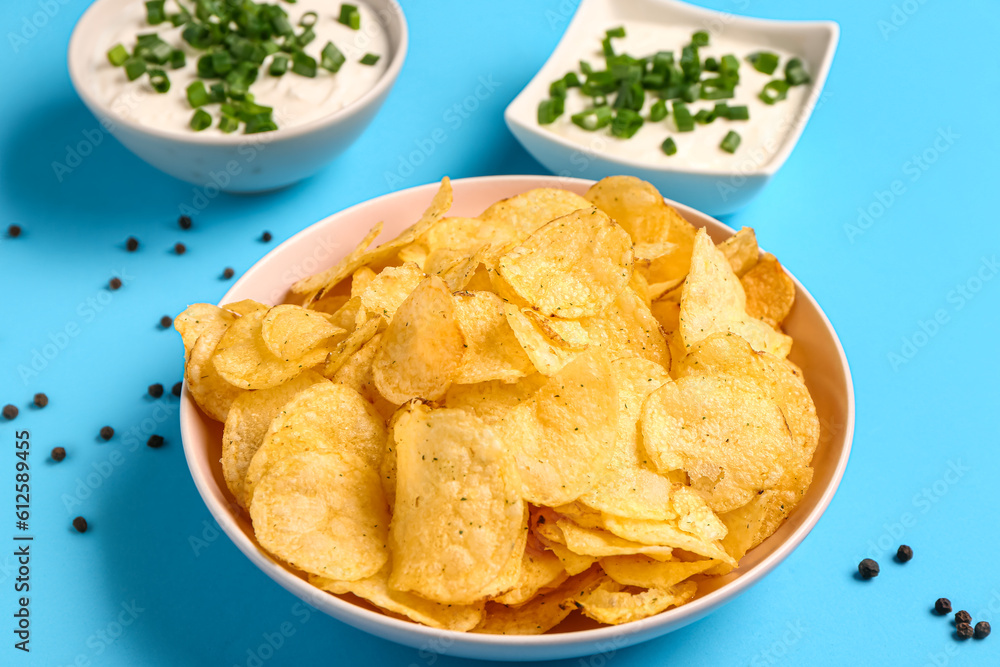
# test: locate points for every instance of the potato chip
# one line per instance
(492, 401)
(770, 291)
(208, 389)
(741, 250)
(356, 373)
(422, 348)
(312, 285)
(458, 516)
(455, 266)
(545, 348)
(492, 350)
(247, 423)
(360, 281)
(527, 212)
(540, 614)
(386, 291)
(323, 512)
(598, 543)
(609, 603)
(196, 319)
(571, 267)
(349, 346)
(330, 305)
(563, 436)
(668, 534)
(713, 300)
(245, 307)
(573, 563)
(468, 233)
(540, 569)
(375, 589)
(291, 332)
(647, 572)
(627, 328)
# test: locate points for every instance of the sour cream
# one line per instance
(296, 99)
(762, 135)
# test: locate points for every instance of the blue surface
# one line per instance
(152, 559)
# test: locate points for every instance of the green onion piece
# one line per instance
(303, 39)
(177, 59)
(704, 117)
(593, 119)
(279, 21)
(668, 146)
(154, 12)
(630, 96)
(738, 113)
(198, 36)
(557, 88)
(159, 80)
(197, 96)
(278, 66)
(308, 19)
(683, 118)
(369, 59)
(303, 65)
(721, 110)
(331, 58)
(795, 73)
(729, 66)
(260, 124)
(571, 80)
(151, 48)
(616, 32)
(200, 120)
(222, 62)
(217, 93)
(653, 81)
(134, 68)
(349, 16)
(710, 64)
(626, 123)
(549, 110)
(585, 68)
(180, 18)
(731, 142)
(117, 55)
(658, 111)
(609, 51)
(691, 63)
(228, 124)
(716, 89)
(764, 61)
(700, 38)
(774, 91)
(662, 61)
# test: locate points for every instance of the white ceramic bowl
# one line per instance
(817, 350)
(278, 159)
(715, 191)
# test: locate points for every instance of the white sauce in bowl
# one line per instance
(296, 99)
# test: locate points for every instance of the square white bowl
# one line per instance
(714, 191)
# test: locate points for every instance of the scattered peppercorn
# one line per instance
(228, 273)
(180, 248)
(176, 391)
(155, 441)
(80, 524)
(963, 617)
(41, 400)
(904, 553)
(58, 453)
(132, 244)
(166, 321)
(942, 606)
(982, 630)
(14, 231)
(868, 568)
(107, 432)
(184, 221)
(115, 283)
(9, 411)
(964, 630)
(266, 237)
(155, 390)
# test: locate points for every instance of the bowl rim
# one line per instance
(380, 88)
(454, 640)
(514, 115)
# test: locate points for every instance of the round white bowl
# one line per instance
(236, 162)
(817, 350)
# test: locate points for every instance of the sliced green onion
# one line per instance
(585, 68)
(117, 55)
(159, 80)
(370, 59)
(228, 124)
(153, 49)
(731, 142)
(729, 66)
(700, 38)
(349, 16)
(278, 66)
(738, 113)
(764, 61)
(658, 111)
(795, 73)
(668, 146)
(154, 12)
(704, 117)
(716, 88)
(691, 63)
(200, 120)
(217, 93)
(198, 36)
(626, 123)
(134, 68)
(197, 96)
(331, 58)
(260, 124)
(616, 32)
(279, 21)
(557, 88)
(609, 51)
(177, 59)
(593, 119)
(549, 110)
(683, 118)
(304, 38)
(222, 62)
(308, 19)
(180, 18)
(571, 80)
(710, 64)
(303, 65)
(774, 91)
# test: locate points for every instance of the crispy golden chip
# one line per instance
(360, 281)
(422, 348)
(573, 563)
(386, 291)
(598, 543)
(312, 285)
(213, 394)
(647, 572)
(572, 267)
(455, 266)
(540, 569)
(563, 436)
(627, 328)
(323, 512)
(242, 359)
(492, 350)
(291, 332)
(543, 612)
(195, 319)
(546, 349)
(492, 401)
(713, 300)
(458, 516)
(356, 373)
(668, 534)
(325, 417)
(609, 603)
(770, 291)
(741, 250)
(245, 307)
(375, 589)
(247, 423)
(468, 233)
(330, 305)
(349, 346)
(528, 211)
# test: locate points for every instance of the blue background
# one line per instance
(894, 89)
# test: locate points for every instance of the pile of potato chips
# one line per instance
(487, 423)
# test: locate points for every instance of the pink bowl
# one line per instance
(817, 351)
